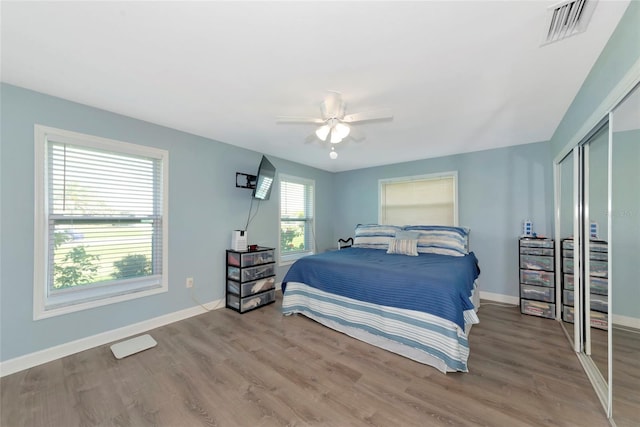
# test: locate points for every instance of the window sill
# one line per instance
(70, 302)
(291, 258)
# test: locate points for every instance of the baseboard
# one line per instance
(626, 321)
(506, 299)
(52, 353)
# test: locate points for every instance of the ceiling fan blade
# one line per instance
(293, 119)
(323, 110)
(381, 114)
(311, 138)
(332, 106)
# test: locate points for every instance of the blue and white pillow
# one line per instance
(403, 244)
(439, 239)
(374, 236)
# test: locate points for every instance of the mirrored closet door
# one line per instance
(597, 187)
(625, 262)
(582, 179)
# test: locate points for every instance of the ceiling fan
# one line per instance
(334, 122)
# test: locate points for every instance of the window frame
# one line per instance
(290, 258)
(49, 304)
(413, 178)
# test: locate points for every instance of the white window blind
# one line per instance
(296, 217)
(427, 199)
(104, 209)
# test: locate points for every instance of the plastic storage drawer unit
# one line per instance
(539, 293)
(537, 277)
(251, 302)
(535, 262)
(599, 285)
(250, 288)
(538, 308)
(250, 279)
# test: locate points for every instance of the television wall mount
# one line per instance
(244, 180)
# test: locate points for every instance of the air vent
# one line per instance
(567, 18)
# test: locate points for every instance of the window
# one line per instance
(100, 224)
(426, 199)
(296, 218)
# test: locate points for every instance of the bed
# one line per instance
(411, 290)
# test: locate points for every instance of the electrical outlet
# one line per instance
(189, 282)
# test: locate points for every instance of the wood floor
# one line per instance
(264, 369)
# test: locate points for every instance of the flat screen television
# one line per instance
(264, 180)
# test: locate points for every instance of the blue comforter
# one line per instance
(431, 283)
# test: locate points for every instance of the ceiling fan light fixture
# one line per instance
(333, 154)
(342, 130)
(335, 137)
(323, 131)
(334, 125)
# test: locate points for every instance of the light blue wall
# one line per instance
(498, 189)
(204, 206)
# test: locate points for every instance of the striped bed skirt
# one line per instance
(423, 337)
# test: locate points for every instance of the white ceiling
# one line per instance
(459, 76)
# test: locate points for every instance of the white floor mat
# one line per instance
(132, 346)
